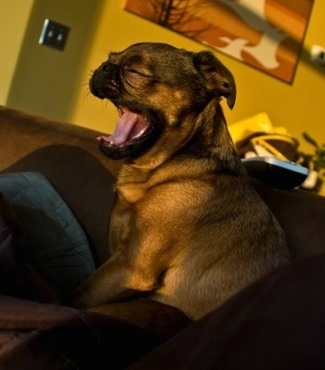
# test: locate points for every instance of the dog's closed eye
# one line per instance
(134, 71)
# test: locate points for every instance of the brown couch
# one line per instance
(277, 323)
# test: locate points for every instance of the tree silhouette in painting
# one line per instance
(178, 15)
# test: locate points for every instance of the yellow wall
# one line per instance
(45, 79)
(14, 15)
(298, 107)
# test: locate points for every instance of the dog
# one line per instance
(187, 230)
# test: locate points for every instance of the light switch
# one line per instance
(54, 34)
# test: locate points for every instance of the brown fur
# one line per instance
(187, 229)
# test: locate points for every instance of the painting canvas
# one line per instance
(265, 34)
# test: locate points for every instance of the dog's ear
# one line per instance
(218, 78)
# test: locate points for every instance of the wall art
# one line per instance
(265, 34)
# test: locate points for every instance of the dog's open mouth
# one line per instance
(132, 131)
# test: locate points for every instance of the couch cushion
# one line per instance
(56, 244)
(276, 323)
(84, 184)
(14, 279)
(46, 336)
(301, 215)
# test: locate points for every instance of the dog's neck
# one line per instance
(211, 144)
(213, 140)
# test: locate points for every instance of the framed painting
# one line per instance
(265, 34)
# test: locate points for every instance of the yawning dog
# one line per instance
(187, 228)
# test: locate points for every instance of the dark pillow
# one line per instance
(56, 245)
(14, 280)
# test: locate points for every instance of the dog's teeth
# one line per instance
(105, 139)
(139, 133)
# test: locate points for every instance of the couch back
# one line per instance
(69, 157)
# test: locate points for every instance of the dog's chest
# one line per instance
(121, 223)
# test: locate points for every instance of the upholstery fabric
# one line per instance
(14, 279)
(55, 242)
(82, 182)
(37, 336)
(277, 323)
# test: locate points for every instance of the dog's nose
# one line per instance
(107, 67)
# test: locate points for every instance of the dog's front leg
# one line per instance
(112, 282)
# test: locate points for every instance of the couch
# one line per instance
(276, 323)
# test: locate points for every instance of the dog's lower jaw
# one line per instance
(129, 141)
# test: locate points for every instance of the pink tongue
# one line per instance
(124, 127)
